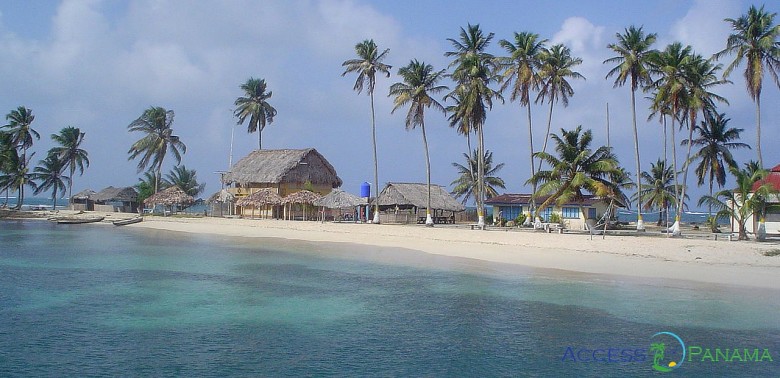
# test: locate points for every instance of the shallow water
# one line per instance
(85, 300)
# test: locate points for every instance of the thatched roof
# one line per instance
(86, 194)
(110, 194)
(221, 196)
(261, 197)
(339, 199)
(284, 166)
(170, 196)
(406, 194)
(302, 196)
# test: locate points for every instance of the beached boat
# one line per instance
(77, 220)
(124, 222)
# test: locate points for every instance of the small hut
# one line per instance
(84, 200)
(340, 200)
(403, 202)
(170, 197)
(262, 198)
(221, 203)
(111, 199)
(304, 198)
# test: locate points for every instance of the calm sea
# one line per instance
(93, 300)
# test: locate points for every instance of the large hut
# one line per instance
(111, 199)
(283, 171)
(404, 202)
(84, 200)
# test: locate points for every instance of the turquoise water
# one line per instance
(91, 300)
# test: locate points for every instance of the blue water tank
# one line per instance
(365, 190)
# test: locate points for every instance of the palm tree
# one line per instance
(185, 179)
(717, 140)
(145, 186)
(744, 201)
(633, 49)
(660, 192)
(521, 70)
(367, 64)
(754, 40)
(8, 158)
(657, 349)
(420, 81)
(49, 173)
(466, 183)
(19, 176)
(254, 104)
(156, 123)
(474, 72)
(576, 168)
(21, 133)
(557, 69)
(70, 153)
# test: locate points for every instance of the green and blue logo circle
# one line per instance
(658, 348)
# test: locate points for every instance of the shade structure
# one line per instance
(339, 199)
(221, 196)
(303, 196)
(262, 197)
(86, 194)
(169, 197)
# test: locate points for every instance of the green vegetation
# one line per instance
(254, 105)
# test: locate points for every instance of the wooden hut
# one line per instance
(84, 200)
(405, 202)
(283, 171)
(111, 199)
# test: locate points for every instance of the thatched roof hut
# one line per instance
(262, 197)
(339, 199)
(112, 194)
(221, 196)
(169, 197)
(84, 195)
(283, 166)
(408, 195)
(303, 196)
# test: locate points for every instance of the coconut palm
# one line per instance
(660, 192)
(474, 71)
(576, 168)
(466, 183)
(657, 349)
(744, 201)
(155, 123)
(716, 140)
(633, 49)
(70, 153)
(420, 81)
(17, 176)
(755, 41)
(8, 158)
(367, 64)
(185, 179)
(521, 71)
(557, 68)
(254, 105)
(458, 119)
(49, 173)
(145, 185)
(21, 133)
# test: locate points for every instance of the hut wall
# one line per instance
(105, 208)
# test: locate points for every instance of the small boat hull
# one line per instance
(124, 222)
(77, 220)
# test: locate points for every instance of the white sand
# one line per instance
(700, 260)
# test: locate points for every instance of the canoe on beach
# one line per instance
(76, 220)
(124, 222)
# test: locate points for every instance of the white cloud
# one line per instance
(703, 27)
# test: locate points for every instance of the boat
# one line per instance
(124, 222)
(76, 220)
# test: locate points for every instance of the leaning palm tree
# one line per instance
(755, 41)
(660, 192)
(521, 71)
(633, 49)
(557, 68)
(254, 105)
(49, 173)
(466, 183)
(420, 81)
(474, 71)
(185, 179)
(70, 153)
(716, 140)
(155, 123)
(576, 168)
(367, 64)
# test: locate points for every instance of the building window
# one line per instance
(592, 213)
(570, 212)
(546, 213)
(510, 212)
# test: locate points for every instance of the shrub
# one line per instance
(554, 218)
(520, 219)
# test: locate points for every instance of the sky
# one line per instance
(98, 65)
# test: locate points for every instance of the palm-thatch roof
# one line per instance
(283, 166)
(111, 194)
(170, 196)
(339, 199)
(86, 194)
(261, 197)
(412, 194)
(303, 196)
(221, 196)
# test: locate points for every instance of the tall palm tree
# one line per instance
(717, 140)
(49, 173)
(456, 114)
(466, 183)
(521, 71)
(633, 49)
(576, 168)
(367, 64)
(155, 123)
(557, 68)
(70, 153)
(18, 176)
(254, 105)
(185, 179)
(660, 192)
(145, 185)
(8, 158)
(755, 41)
(19, 128)
(420, 81)
(474, 72)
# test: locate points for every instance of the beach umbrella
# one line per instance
(302, 197)
(262, 197)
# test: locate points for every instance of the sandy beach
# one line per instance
(650, 256)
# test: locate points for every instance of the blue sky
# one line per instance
(98, 64)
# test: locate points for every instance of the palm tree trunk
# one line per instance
(678, 210)
(428, 219)
(259, 138)
(55, 197)
(532, 202)
(480, 177)
(640, 225)
(710, 204)
(758, 131)
(70, 188)
(376, 164)
(547, 135)
(691, 123)
(20, 200)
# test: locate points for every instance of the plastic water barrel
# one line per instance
(365, 190)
